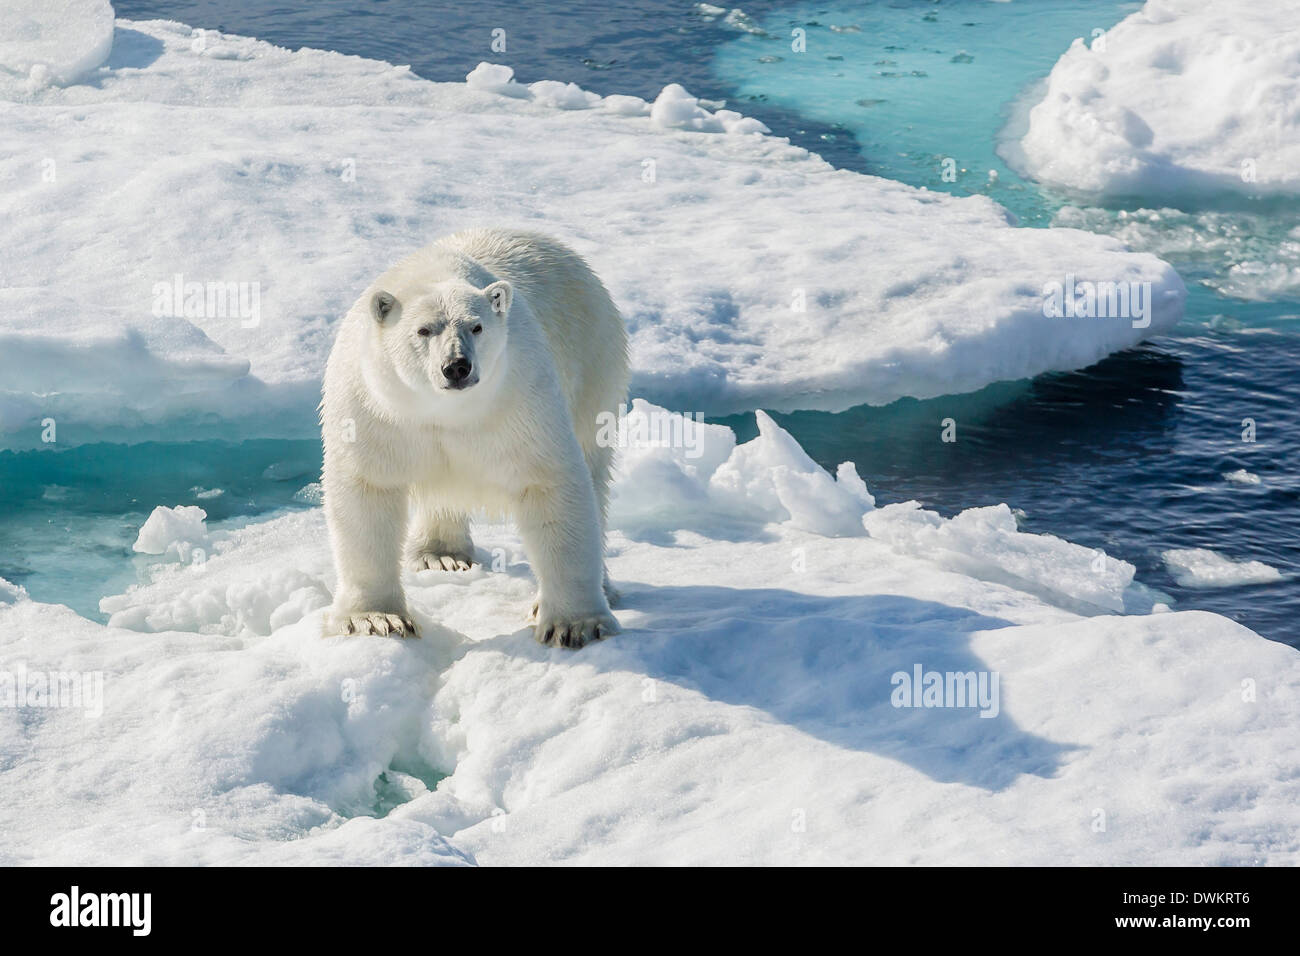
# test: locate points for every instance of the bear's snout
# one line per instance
(457, 372)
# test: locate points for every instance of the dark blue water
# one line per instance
(1128, 455)
(635, 49)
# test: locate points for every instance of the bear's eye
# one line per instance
(477, 329)
(424, 332)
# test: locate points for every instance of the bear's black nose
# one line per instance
(457, 371)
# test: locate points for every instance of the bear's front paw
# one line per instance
(437, 561)
(377, 622)
(573, 630)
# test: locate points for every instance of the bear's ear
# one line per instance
(499, 296)
(383, 305)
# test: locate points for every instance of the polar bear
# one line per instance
(473, 375)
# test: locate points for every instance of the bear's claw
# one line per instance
(430, 561)
(575, 633)
(381, 625)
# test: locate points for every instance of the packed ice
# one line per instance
(1203, 568)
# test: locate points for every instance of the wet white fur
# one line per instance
(407, 458)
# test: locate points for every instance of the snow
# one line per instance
(210, 750)
(9, 592)
(176, 529)
(223, 595)
(986, 543)
(704, 475)
(563, 96)
(1184, 97)
(495, 78)
(746, 714)
(751, 273)
(1203, 568)
(675, 108)
(45, 42)
(1241, 477)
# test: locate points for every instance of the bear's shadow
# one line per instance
(824, 665)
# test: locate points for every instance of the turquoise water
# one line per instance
(925, 89)
(69, 516)
(1128, 455)
(934, 94)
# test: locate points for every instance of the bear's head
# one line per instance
(445, 338)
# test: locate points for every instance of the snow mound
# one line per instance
(247, 601)
(495, 78)
(562, 96)
(675, 470)
(775, 476)
(751, 273)
(10, 592)
(675, 108)
(178, 530)
(1184, 97)
(1203, 568)
(986, 543)
(52, 42)
(210, 751)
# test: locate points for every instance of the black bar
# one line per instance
(980, 905)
